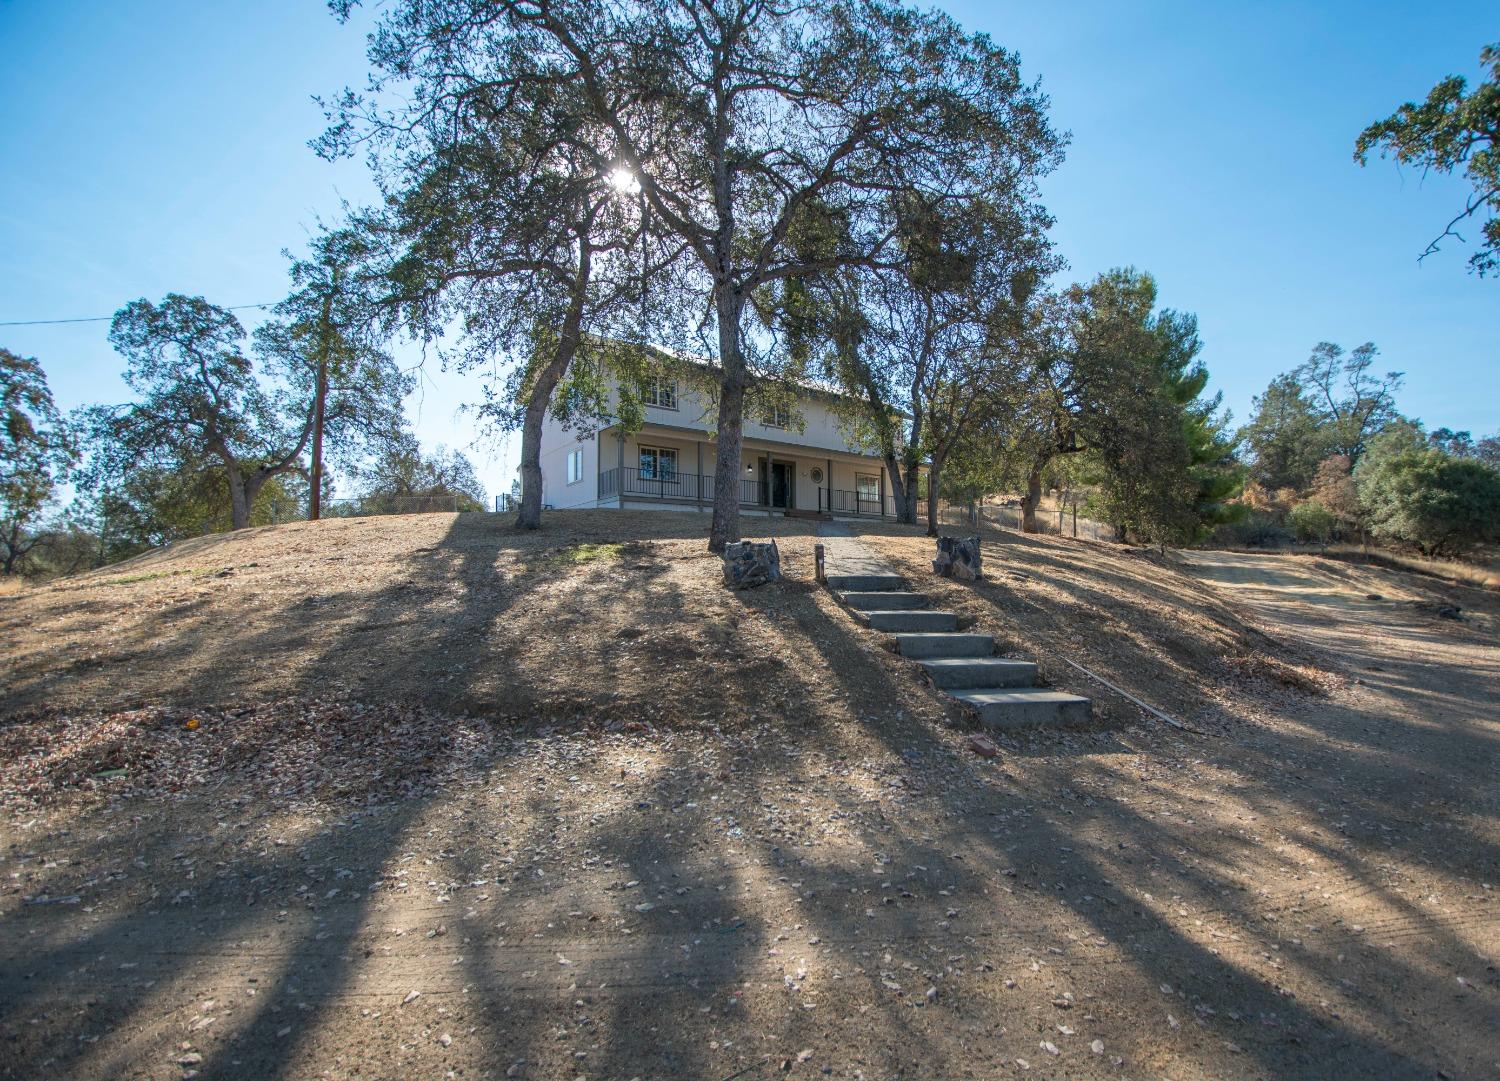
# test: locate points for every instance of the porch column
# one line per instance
(882, 490)
(699, 482)
(770, 479)
(829, 475)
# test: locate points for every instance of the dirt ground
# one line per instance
(426, 797)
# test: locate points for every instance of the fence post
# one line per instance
(818, 565)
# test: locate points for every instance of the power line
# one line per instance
(107, 318)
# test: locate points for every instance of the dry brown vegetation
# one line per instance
(551, 805)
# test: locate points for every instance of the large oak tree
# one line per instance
(737, 118)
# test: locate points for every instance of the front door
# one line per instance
(776, 484)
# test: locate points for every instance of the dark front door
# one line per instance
(776, 484)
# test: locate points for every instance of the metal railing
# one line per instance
(685, 487)
(839, 501)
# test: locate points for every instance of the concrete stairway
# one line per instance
(1002, 692)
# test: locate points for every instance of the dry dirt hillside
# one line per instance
(600, 617)
(429, 797)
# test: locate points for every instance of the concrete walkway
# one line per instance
(846, 556)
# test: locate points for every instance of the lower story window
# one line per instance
(575, 466)
(867, 487)
(659, 463)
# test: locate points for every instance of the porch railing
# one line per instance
(839, 501)
(687, 487)
(625, 482)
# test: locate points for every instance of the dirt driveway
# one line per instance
(836, 889)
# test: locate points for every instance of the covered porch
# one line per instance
(667, 468)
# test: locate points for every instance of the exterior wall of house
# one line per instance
(813, 423)
(557, 443)
(838, 471)
(813, 440)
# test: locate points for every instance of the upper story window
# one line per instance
(776, 416)
(660, 392)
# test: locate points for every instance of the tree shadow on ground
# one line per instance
(1149, 876)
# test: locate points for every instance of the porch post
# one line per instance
(699, 482)
(830, 486)
(770, 479)
(620, 471)
(882, 489)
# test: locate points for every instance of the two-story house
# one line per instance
(796, 459)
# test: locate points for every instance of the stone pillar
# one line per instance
(748, 564)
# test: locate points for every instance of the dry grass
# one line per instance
(1483, 575)
(641, 826)
(1125, 613)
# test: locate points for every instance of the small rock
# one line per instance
(982, 745)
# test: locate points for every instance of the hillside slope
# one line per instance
(599, 617)
(421, 797)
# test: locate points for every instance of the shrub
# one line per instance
(1257, 530)
(1434, 502)
(1312, 521)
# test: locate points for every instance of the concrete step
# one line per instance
(983, 672)
(945, 645)
(887, 601)
(911, 621)
(860, 582)
(1025, 708)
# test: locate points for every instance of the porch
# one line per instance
(664, 470)
(770, 493)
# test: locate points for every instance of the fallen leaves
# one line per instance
(292, 748)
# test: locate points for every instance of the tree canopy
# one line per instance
(1453, 130)
(738, 122)
(36, 450)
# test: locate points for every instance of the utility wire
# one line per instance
(107, 318)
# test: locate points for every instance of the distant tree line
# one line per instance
(1331, 458)
(217, 435)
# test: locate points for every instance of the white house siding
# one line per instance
(815, 439)
(557, 443)
(814, 424)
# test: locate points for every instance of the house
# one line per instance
(796, 458)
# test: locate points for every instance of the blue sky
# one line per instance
(159, 147)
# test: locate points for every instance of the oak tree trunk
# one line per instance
(934, 471)
(239, 498)
(547, 378)
(1030, 501)
(726, 522)
(315, 501)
